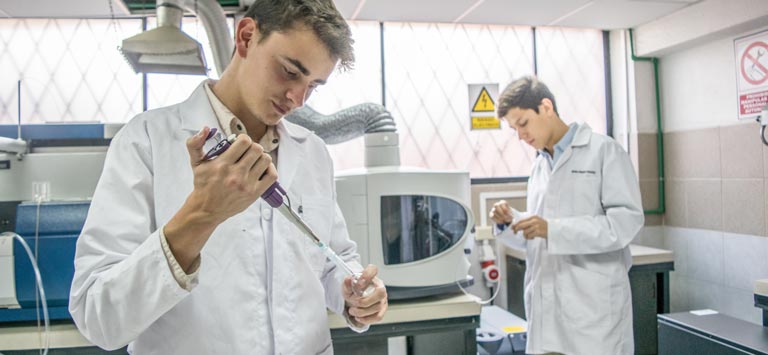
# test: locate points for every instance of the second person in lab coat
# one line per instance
(584, 201)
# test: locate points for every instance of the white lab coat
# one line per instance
(577, 295)
(124, 291)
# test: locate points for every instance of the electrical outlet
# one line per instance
(484, 233)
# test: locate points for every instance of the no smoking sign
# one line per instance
(751, 54)
(754, 62)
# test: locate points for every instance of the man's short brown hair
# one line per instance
(525, 93)
(321, 16)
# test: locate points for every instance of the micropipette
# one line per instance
(276, 197)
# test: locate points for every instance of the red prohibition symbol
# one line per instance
(753, 71)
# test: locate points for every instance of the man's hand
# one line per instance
(532, 227)
(364, 310)
(501, 213)
(227, 185)
(223, 187)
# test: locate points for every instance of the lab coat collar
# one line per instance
(289, 129)
(197, 112)
(582, 136)
(580, 139)
(291, 138)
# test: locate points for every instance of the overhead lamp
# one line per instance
(165, 49)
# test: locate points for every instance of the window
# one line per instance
(428, 67)
(70, 71)
(572, 63)
(345, 89)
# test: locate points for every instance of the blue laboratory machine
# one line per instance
(66, 160)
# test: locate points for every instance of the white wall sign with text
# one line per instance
(751, 73)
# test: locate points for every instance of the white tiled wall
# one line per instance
(713, 269)
(745, 259)
(651, 236)
(705, 256)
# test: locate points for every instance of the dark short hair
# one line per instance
(319, 15)
(525, 93)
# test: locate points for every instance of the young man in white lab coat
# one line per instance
(180, 255)
(584, 205)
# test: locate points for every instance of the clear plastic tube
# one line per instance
(336, 259)
(39, 199)
(39, 281)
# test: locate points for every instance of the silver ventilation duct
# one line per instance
(344, 125)
(369, 119)
(166, 49)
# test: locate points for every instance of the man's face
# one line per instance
(279, 74)
(530, 126)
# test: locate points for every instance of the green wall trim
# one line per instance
(659, 135)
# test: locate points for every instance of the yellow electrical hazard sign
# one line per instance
(485, 123)
(482, 109)
(484, 102)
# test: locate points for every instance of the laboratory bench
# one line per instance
(452, 319)
(431, 325)
(65, 339)
(648, 278)
(709, 332)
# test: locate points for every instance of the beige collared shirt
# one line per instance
(229, 124)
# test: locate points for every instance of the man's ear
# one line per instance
(246, 35)
(546, 106)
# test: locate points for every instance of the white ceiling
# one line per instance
(602, 14)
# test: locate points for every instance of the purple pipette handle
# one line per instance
(211, 133)
(275, 192)
(274, 195)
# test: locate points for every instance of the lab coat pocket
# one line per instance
(318, 213)
(583, 297)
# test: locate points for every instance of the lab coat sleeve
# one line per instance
(623, 217)
(122, 282)
(509, 237)
(333, 277)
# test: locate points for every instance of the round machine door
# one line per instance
(416, 227)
